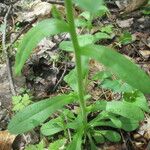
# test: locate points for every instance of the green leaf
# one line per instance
(56, 145)
(56, 13)
(99, 138)
(127, 110)
(102, 75)
(39, 146)
(83, 40)
(102, 11)
(76, 143)
(71, 79)
(111, 135)
(45, 28)
(52, 127)
(100, 36)
(129, 124)
(121, 108)
(35, 114)
(86, 15)
(136, 98)
(81, 22)
(92, 144)
(126, 38)
(120, 65)
(107, 29)
(89, 5)
(116, 86)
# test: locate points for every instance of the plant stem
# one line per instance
(73, 34)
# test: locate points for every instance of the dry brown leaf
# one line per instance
(125, 23)
(6, 140)
(134, 5)
(38, 10)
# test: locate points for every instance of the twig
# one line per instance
(12, 88)
(20, 33)
(65, 68)
(55, 2)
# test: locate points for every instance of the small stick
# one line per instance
(65, 68)
(12, 88)
(56, 2)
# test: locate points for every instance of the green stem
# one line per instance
(73, 34)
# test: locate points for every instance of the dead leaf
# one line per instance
(37, 9)
(125, 23)
(145, 53)
(134, 5)
(145, 129)
(6, 140)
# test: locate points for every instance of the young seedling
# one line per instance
(123, 114)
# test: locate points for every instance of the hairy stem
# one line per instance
(73, 34)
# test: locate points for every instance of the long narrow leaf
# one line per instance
(76, 143)
(45, 28)
(36, 113)
(120, 65)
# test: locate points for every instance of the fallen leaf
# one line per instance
(145, 53)
(6, 140)
(134, 5)
(38, 10)
(125, 23)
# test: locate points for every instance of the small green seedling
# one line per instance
(126, 38)
(21, 101)
(86, 17)
(124, 114)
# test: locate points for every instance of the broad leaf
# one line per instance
(45, 28)
(120, 108)
(116, 86)
(36, 113)
(101, 36)
(129, 124)
(127, 110)
(138, 99)
(120, 65)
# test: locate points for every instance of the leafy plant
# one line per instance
(126, 38)
(123, 114)
(86, 17)
(19, 102)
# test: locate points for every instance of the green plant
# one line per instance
(126, 38)
(86, 17)
(21, 101)
(77, 128)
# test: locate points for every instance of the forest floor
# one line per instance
(42, 76)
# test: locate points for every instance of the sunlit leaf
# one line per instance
(119, 65)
